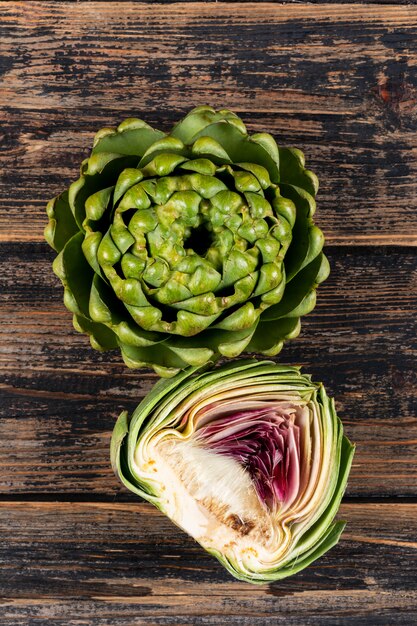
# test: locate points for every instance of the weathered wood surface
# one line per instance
(310, 2)
(60, 398)
(125, 564)
(337, 81)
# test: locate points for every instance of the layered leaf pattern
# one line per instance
(249, 459)
(180, 247)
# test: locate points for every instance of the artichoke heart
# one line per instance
(180, 247)
(249, 459)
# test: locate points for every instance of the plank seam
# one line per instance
(80, 498)
(386, 3)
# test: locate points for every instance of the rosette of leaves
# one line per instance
(249, 459)
(181, 247)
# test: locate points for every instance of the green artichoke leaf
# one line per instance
(238, 147)
(199, 118)
(248, 458)
(299, 297)
(306, 238)
(128, 178)
(269, 337)
(118, 461)
(345, 451)
(215, 341)
(89, 184)
(75, 273)
(105, 309)
(61, 226)
(101, 337)
(233, 346)
(326, 543)
(169, 147)
(129, 142)
(293, 172)
(166, 360)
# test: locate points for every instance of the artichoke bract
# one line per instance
(181, 247)
(249, 459)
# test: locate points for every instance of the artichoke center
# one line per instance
(267, 444)
(229, 482)
(199, 240)
(211, 496)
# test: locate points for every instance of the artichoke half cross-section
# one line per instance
(249, 459)
(178, 248)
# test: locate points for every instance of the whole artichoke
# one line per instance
(249, 459)
(181, 247)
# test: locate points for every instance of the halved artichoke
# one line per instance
(249, 459)
(180, 247)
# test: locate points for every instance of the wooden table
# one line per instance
(337, 80)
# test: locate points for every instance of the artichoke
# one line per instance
(249, 459)
(178, 248)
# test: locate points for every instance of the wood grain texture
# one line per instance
(310, 2)
(60, 397)
(338, 81)
(125, 564)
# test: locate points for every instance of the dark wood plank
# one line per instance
(336, 80)
(380, 2)
(60, 398)
(125, 564)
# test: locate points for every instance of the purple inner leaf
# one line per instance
(266, 442)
